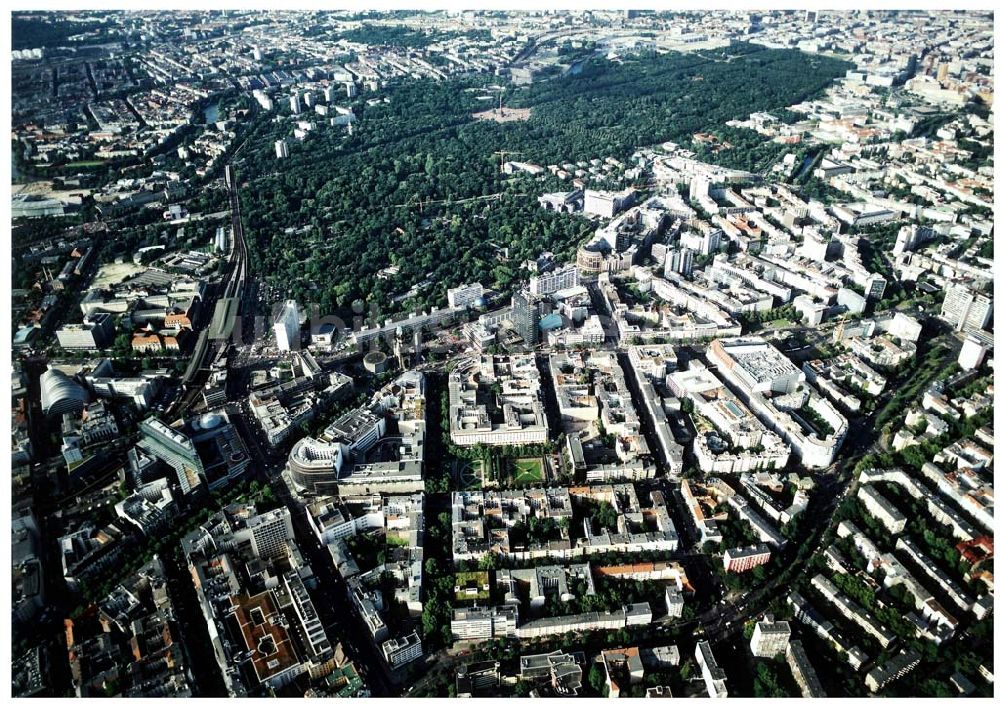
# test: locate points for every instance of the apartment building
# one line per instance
(966, 310)
(483, 622)
(713, 675)
(744, 559)
(803, 671)
(401, 651)
(882, 509)
(770, 637)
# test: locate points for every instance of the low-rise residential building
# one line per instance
(810, 616)
(767, 532)
(744, 559)
(895, 668)
(402, 651)
(630, 615)
(712, 674)
(803, 671)
(483, 622)
(846, 606)
(882, 509)
(494, 521)
(708, 530)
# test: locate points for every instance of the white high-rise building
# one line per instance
(552, 281)
(675, 601)
(965, 309)
(910, 237)
(974, 349)
(605, 204)
(270, 532)
(875, 287)
(286, 327)
(295, 103)
(905, 327)
(770, 637)
(704, 243)
(814, 245)
(281, 149)
(465, 296)
(680, 260)
(265, 102)
(711, 242)
(699, 194)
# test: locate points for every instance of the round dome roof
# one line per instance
(209, 421)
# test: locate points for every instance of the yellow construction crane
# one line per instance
(503, 157)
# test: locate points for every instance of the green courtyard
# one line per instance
(529, 470)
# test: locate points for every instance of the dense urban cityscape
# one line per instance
(494, 354)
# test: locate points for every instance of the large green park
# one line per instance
(343, 207)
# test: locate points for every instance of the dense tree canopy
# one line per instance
(344, 207)
(28, 32)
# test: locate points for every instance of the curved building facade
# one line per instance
(314, 465)
(376, 362)
(60, 394)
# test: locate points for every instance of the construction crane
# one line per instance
(503, 158)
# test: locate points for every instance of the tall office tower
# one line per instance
(270, 533)
(974, 350)
(875, 287)
(175, 449)
(680, 260)
(524, 314)
(286, 327)
(397, 348)
(965, 309)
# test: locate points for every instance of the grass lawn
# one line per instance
(779, 323)
(528, 470)
(470, 474)
(472, 586)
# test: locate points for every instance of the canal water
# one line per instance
(806, 163)
(211, 113)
